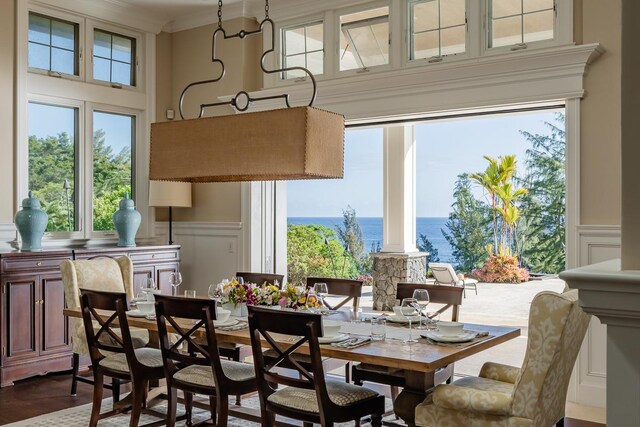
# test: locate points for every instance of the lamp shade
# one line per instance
(170, 194)
(290, 143)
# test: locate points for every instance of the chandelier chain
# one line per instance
(219, 13)
(266, 9)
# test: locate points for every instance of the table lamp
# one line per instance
(170, 194)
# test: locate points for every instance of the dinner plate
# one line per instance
(335, 338)
(135, 313)
(404, 319)
(227, 322)
(437, 336)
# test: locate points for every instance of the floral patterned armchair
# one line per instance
(533, 395)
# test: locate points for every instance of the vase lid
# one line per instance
(126, 202)
(31, 202)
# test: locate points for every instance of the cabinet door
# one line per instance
(54, 326)
(140, 276)
(162, 277)
(20, 318)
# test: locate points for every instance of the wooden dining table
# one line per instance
(419, 360)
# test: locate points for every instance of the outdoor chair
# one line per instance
(533, 395)
(446, 275)
(311, 397)
(350, 289)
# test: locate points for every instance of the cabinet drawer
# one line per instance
(156, 256)
(32, 264)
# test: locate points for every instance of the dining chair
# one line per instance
(113, 354)
(532, 395)
(446, 275)
(200, 370)
(350, 289)
(260, 278)
(451, 298)
(310, 397)
(103, 274)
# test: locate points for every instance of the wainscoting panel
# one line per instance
(211, 251)
(597, 244)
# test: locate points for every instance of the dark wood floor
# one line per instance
(41, 395)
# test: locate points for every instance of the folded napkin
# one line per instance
(352, 343)
(235, 327)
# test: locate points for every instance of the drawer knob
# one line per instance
(153, 256)
(39, 264)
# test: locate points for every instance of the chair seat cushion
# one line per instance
(150, 357)
(298, 357)
(203, 375)
(139, 337)
(475, 394)
(340, 393)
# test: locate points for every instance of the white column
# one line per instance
(399, 231)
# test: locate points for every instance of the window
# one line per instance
(113, 143)
(53, 162)
(517, 22)
(302, 46)
(438, 28)
(113, 58)
(53, 44)
(364, 39)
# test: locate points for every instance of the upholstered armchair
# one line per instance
(533, 395)
(100, 274)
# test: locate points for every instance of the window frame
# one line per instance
(282, 48)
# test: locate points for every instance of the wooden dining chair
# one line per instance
(113, 354)
(260, 278)
(310, 397)
(451, 298)
(200, 370)
(350, 289)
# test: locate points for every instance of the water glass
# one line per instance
(432, 320)
(378, 329)
(409, 306)
(190, 293)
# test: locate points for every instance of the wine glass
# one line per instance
(321, 290)
(175, 279)
(408, 310)
(422, 299)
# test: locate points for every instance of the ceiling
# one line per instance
(170, 10)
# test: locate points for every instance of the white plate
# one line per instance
(335, 338)
(397, 319)
(135, 313)
(227, 322)
(437, 336)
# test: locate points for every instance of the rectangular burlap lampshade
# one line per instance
(290, 143)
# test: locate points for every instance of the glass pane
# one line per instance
(295, 61)
(122, 49)
(121, 73)
(63, 35)
(348, 59)
(453, 40)
(101, 44)
(315, 62)
(39, 30)
(536, 5)
(62, 61)
(538, 26)
(39, 56)
(113, 144)
(506, 31)
(425, 16)
(426, 45)
(500, 8)
(294, 41)
(452, 13)
(52, 162)
(315, 37)
(101, 69)
(364, 39)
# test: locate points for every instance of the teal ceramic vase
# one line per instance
(31, 223)
(127, 221)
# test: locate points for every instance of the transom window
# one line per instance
(517, 22)
(303, 46)
(113, 58)
(364, 39)
(438, 28)
(53, 44)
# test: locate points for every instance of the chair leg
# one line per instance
(188, 407)
(347, 372)
(222, 408)
(75, 363)
(394, 392)
(560, 423)
(98, 381)
(115, 389)
(172, 401)
(138, 387)
(212, 408)
(269, 419)
(376, 420)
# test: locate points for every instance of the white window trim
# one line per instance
(277, 60)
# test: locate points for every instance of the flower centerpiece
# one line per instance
(298, 297)
(268, 295)
(236, 296)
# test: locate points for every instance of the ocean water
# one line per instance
(372, 231)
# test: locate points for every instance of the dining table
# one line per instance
(419, 361)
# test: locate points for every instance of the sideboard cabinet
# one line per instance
(34, 335)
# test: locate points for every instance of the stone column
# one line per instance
(391, 268)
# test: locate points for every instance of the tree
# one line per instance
(469, 226)
(425, 245)
(543, 228)
(350, 234)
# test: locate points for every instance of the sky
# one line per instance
(445, 149)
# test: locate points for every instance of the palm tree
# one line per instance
(510, 213)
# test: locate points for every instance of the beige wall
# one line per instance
(7, 60)
(190, 53)
(600, 117)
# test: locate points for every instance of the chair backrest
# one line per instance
(100, 274)
(260, 278)
(444, 273)
(351, 289)
(186, 318)
(450, 296)
(306, 328)
(557, 326)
